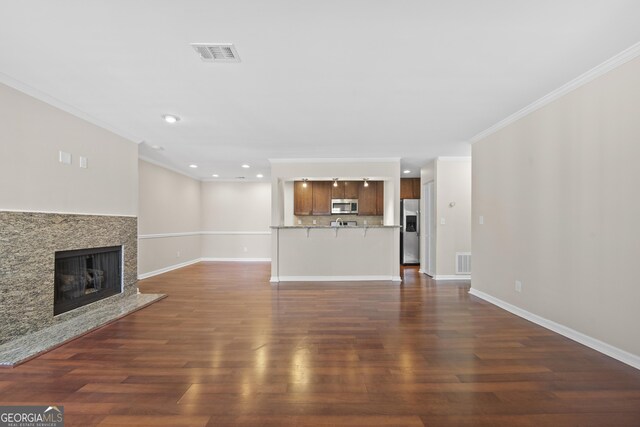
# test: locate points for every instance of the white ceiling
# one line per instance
(412, 79)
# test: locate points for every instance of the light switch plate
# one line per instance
(443, 221)
(518, 286)
(83, 162)
(64, 157)
(481, 219)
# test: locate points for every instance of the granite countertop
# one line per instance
(334, 227)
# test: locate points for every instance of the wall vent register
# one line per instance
(463, 262)
(218, 52)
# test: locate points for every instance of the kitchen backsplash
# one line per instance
(326, 219)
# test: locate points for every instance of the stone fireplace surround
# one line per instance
(28, 243)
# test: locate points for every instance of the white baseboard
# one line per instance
(237, 259)
(167, 269)
(611, 351)
(452, 277)
(334, 278)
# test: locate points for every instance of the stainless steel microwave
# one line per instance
(344, 206)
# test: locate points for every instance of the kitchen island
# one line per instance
(329, 253)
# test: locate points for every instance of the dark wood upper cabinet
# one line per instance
(351, 189)
(367, 198)
(315, 198)
(345, 190)
(302, 198)
(410, 188)
(416, 188)
(322, 197)
(338, 191)
(380, 198)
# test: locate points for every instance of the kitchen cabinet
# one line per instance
(315, 198)
(368, 199)
(351, 189)
(322, 191)
(337, 192)
(416, 188)
(410, 188)
(302, 198)
(380, 198)
(345, 190)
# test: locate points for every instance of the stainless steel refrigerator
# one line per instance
(410, 231)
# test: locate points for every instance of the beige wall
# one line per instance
(164, 253)
(184, 220)
(169, 204)
(235, 220)
(343, 254)
(453, 185)
(451, 177)
(558, 190)
(31, 177)
(236, 206)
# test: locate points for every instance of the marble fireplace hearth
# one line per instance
(28, 245)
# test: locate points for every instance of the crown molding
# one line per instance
(55, 102)
(599, 70)
(338, 160)
(266, 179)
(454, 158)
(162, 165)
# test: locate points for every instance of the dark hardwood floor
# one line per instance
(228, 348)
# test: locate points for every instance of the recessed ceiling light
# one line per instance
(406, 171)
(215, 175)
(193, 166)
(246, 166)
(170, 118)
(259, 176)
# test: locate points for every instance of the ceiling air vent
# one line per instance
(216, 52)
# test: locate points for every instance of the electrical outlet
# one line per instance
(365, 222)
(244, 248)
(64, 157)
(178, 254)
(481, 219)
(83, 162)
(518, 286)
(443, 221)
(315, 222)
(299, 222)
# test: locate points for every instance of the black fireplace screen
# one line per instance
(85, 276)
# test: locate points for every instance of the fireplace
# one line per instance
(85, 276)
